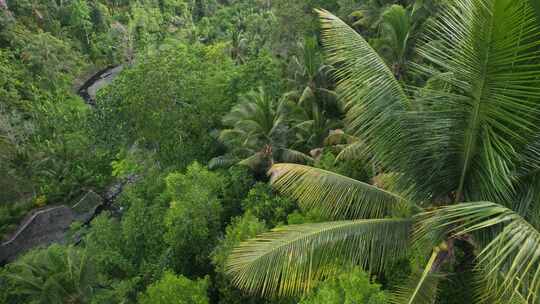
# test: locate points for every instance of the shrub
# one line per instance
(172, 289)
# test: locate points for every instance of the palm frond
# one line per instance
(306, 99)
(526, 201)
(373, 98)
(514, 252)
(396, 29)
(489, 52)
(338, 137)
(293, 156)
(223, 161)
(288, 260)
(486, 294)
(332, 194)
(356, 150)
(536, 6)
(256, 162)
(421, 288)
(230, 135)
(330, 97)
(530, 158)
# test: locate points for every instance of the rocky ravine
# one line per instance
(44, 226)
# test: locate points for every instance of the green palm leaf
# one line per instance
(536, 5)
(372, 114)
(288, 260)
(294, 156)
(530, 159)
(353, 151)
(223, 161)
(256, 162)
(421, 288)
(514, 252)
(337, 137)
(396, 28)
(486, 294)
(488, 50)
(332, 194)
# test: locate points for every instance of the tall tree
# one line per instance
(463, 153)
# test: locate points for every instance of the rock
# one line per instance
(104, 80)
(88, 90)
(46, 226)
(40, 229)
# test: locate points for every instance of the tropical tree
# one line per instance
(310, 76)
(317, 112)
(462, 153)
(395, 41)
(57, 274)
(259, 133)
(365, 16)
(392, 28)
(172, 289)
(350, 287)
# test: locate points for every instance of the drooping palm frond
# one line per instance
(352, 151)
(288, 260)
(514, 252)
(224, 161)
(373, 98)
(306, 97)
(257, 162)
(488, 51)
(294, 156)
(334, 195)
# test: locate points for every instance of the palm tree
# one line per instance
(57, 274)
(463, 153)
(317, 111)
(239, 46)
(311, 77)
(366, 16)
(395, 40)
(258, 134)
(393, 28)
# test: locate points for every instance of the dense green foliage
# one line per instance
(54, 275)
(349, 287)
(272, 152)
(173, 289)
(193, 219)
(455, 153)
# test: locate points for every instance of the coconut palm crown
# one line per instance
(463, 153)
(258, 133)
